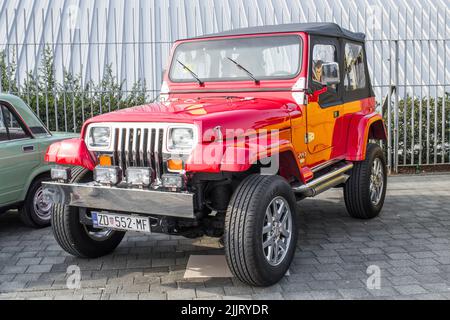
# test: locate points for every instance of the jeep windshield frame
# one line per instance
(262, 55)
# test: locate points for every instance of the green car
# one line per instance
(23, 143)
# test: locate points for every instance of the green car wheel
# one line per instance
(36, 212)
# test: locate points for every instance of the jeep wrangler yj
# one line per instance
(248, 122)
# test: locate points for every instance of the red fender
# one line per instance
(361, 127)
(72, 152)
(231, 157)
(205, 158)
(217, 157)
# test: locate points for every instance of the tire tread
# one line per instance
(356, 192)
(60, 222)
(240, 219)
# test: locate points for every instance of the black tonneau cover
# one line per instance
(315, 28)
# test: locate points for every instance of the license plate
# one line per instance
(121, 222)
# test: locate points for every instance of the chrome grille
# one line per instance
(138, 147)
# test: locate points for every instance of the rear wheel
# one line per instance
(365, 190)
(76, 238)
(261, 230)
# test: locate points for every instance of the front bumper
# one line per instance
(149, 202)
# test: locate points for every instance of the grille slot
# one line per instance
(139, 147)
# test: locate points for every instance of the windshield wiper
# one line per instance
(244, 69)
(193, 74)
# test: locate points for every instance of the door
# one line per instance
(323, 113)
(19, 155)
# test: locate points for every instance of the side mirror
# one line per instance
(163, 72)
(330, 74)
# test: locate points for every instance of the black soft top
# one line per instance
(314, 28)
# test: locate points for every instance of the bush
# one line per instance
(65, 106)
(418, 130)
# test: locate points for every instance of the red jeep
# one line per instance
(249, 122)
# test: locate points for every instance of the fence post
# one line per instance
(396, 104)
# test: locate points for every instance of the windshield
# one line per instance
(256, 58)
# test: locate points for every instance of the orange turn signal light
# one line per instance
(175, 164)
(105, 160)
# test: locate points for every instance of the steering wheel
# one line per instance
(280, 73)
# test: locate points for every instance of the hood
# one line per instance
(64, 135)
(208, 113)
(57, 136)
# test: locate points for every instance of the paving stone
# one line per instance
(41, 268)
(28, 261)
(354, 293)
(297, 296)
(384, 291)
(27, 277)
(267, 296)
(326, 276)
(12, 286)
(135, 288)
(92, 296)
(322, 285)
(238, 290)
(429, 296)
(209, 291)
(410, 289)
(325, 294)
(13, 269)
(124, 296)
(181, 294)
(152, 296)
(237, 297)
(53, 260)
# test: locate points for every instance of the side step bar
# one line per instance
(324, 182)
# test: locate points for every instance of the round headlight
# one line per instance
(181, 139)
(99, 137)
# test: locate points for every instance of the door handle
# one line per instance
(336, 114)
(28, 148)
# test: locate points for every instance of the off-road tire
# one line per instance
(27, 212)
(357, 187)
(243, 229)
(72, 236)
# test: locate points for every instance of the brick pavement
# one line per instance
(409, 243)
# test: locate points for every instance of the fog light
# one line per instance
(172, 181)
(61, 173)
(111, 175)
(139, 176)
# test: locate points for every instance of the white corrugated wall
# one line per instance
(135, 36)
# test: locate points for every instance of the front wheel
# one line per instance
(261, 230)
(365, 190)
(36, 211)
(76, 238)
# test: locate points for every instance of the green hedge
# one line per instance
(71, 101)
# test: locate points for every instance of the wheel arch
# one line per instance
(40, 172)
(363, 127)
(377, 130)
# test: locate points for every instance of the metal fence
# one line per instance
(70, 62)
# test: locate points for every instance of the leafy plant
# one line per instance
(65, 105)
(420, 123)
